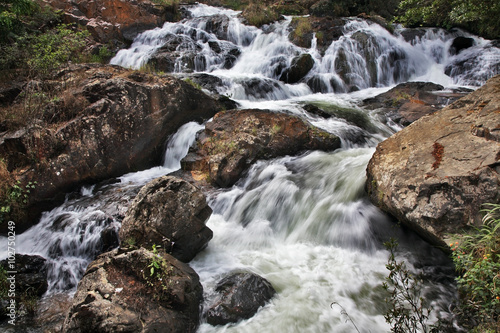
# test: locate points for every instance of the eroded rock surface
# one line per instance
(171, 213)
(114, 121)
(410, 101)
(435, 174)
(235, 139)
(118, 293)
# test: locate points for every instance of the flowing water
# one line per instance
(302, 222)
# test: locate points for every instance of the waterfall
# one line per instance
(73, 234)
(302, 222)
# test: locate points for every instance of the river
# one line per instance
(302, 222)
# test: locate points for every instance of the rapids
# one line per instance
(302, 222)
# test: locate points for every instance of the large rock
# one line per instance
(300, 66)
(235, 139)
(114, 20)
(119, 293)
(410, 101)
(121, 124)
(172, 213)
(239, 296)
(435, 174)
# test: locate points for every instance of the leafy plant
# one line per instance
(160, 274)
(408, 312)
(14, 199)
(11, 16)
(54, 48)
(479, 16)
(477, 259)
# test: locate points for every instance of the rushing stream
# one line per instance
(302, 222)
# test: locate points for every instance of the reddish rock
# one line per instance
(435, 174)
(235, 139)
(123, 126)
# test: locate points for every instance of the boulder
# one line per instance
(171, 213)
(435, 174)
(460, 43)
(235, 139)
(300, 66)
(121, 293)
(410, 101)
(114, 21)
(121, 124)
(239, 296)
(326, 29)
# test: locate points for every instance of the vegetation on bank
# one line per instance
(477, 260)
(34, 40)
(478, 16)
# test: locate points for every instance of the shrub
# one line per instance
(408, 311)
(477, 260)
(54, 48)
(478, 16)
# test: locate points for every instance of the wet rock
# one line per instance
(240, 296)
(235, 139)
(125, 121)
(31, 274)
(460, 43)
(465, 64)
(327, 30)
(434, 175)
(171, 213)
(118, 293)
(300, 66)
(410, 101)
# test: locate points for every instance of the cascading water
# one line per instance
(301, 222)
(71, 235)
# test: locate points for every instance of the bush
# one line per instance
(12, 13)
(478, 16)
(54, 48)
(477, 260)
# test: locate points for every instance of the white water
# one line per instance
(69, 236)
(303, 222)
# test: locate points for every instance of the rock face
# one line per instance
(410, 101)
(235, 139)
(114, 20)
(172, 213)
(435, 174)
(122, 124)
(118, 293)
(239, 297)
(300, 66)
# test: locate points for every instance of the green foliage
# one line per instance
(11, 16)
(477, 259)
(54, 48)
(407, 312)
(14, 200)
(479, 16)
(159, 274)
